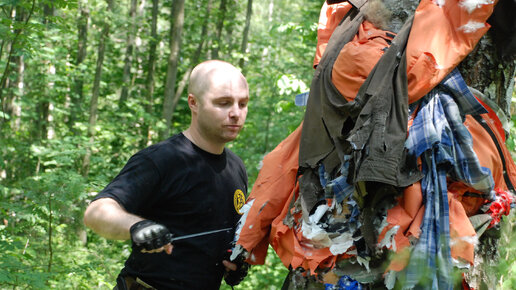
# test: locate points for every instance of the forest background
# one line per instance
(87, 83)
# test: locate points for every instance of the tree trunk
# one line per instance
(82, 41)
(151, 67)
(220, 26)
(12, 47)
(95, 92)
(195, 59)
(128, 54)
(243, 47)
(176, 29)
(43, 106)
(484, 70)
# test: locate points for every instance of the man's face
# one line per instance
(222, 109)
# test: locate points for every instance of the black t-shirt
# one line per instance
(189, 190)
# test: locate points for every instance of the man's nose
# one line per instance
(235, 111)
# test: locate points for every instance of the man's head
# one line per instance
(217, 96)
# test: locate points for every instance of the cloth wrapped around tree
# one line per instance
(398, 168)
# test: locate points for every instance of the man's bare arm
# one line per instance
(110, 220)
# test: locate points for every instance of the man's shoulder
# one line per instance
(176, 145)
(234, 158)
(232, 154)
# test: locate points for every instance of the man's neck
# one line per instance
(202, 143)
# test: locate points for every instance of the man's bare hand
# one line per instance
(167, 248)
(229, 266)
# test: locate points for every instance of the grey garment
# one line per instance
(324, 118)
(373, 127)
(380, 111)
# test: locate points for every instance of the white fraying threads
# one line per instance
(471, 5)
(472, 26)
(440, 3)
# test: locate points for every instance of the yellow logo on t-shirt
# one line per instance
(238, 200)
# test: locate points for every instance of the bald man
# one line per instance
(187, 184)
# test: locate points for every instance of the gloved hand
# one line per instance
(149, 235)
(233, 278)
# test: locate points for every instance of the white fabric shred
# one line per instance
(388, 241)
(440, 3)
(472, 26)
(245, 211)
(470, 239)
(341, 244)
(235, 252)
(390, 279)
(364, 262)
(316, 235)
(471, 5)
(319, 212)
(461, 264)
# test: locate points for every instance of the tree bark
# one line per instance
(151, 68)
(95, 92)
(486, 71)
(245, 37)
(220, 26)
(15, 87)
(176, 29)
(82, 41)
(195, 59)
(128, 54)
(12, 45)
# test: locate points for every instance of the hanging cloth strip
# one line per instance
(444, 144)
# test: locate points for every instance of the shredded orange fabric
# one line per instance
(441, 37)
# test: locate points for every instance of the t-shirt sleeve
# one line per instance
(134, 184)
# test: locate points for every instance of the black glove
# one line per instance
(149, 235)
(233, 278)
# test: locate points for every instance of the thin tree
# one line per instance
(245, 37)
(95, 92)
(128, 54)
(77, 96)
(195, 58)
(151, 68)
(218, 31)
(12, 48)
(176, 28)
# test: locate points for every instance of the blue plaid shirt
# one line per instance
(445, 146)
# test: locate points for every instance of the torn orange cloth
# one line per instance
(431, 55)
(329, 19)
(357, 58)
(271, 193)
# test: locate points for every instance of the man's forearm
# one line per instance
(108, 219)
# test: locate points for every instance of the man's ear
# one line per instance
(193, 103)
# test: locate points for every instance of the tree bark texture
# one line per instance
(12, 47)
(221, 15)
(176, 30)
(95, 92)
(486, 71)
(128, 55)
(151, 68)
(195, 59)
(77, 95)
(245, 37)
